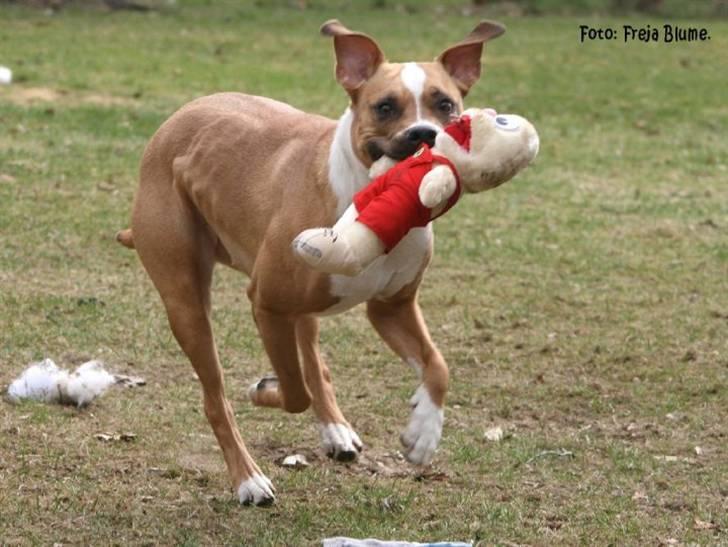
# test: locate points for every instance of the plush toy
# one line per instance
(478, 151)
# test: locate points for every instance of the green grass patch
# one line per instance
(582, 307)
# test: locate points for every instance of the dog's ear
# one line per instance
(357, 55)
(462, 61)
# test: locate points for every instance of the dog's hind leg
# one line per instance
(126, 238)
(402, 327)
(339, 440)
(177, 251)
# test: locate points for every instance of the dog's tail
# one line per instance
(126, 238)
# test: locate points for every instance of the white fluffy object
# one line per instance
(6, 75)
(44, 381)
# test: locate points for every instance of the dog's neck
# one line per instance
(347, 174)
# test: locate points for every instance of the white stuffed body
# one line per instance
(478, 151)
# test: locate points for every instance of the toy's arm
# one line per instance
(437, 186)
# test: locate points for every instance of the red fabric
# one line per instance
(459, 130)
(390, 205)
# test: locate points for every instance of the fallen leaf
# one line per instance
(704, 525)
(129, 381)
(107, 437)
(674, 459)
(384, 470)
(431, 476)
(7, 179)
(105, 187)
(710, 223)
(640, 496)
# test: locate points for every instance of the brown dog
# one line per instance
(233, 178)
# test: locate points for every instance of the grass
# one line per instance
(582, 307)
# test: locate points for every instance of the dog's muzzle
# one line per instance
(403, 144)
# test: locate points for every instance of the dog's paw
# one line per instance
(265, 392)
(257, 490)
(423, 433)
(340, 442)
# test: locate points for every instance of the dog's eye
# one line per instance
(384, 109)
(446, 106)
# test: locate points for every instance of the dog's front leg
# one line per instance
(339, 440)
(401, 326)
(287, 390)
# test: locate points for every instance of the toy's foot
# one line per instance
(324, 250)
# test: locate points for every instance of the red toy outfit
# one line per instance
(390, 205)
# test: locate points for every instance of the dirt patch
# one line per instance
(32, 95)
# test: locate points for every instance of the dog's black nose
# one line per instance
(421, 133)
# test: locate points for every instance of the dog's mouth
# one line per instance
(398, 147)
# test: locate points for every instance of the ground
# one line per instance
(583, 307)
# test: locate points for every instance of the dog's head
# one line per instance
(398, 106)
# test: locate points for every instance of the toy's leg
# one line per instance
(348, 252)
(401, 326)
(347, 248)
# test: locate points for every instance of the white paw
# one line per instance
(423, 433)
(257, 490)
(340, 442)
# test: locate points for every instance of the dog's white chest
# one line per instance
(387, 275)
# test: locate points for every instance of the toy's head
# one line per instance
(486, 148)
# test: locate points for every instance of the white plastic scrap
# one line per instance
(295, 461)
(45, 382)
(494, 434)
